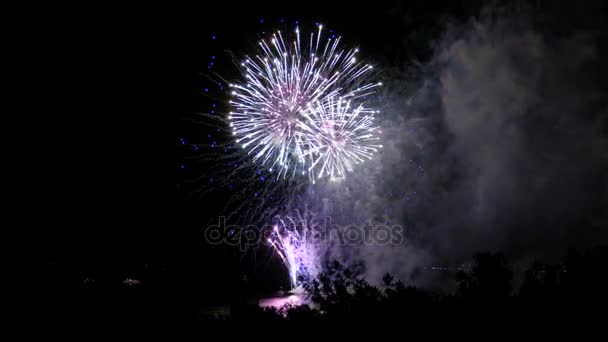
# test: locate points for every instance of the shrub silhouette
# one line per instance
(548, 293)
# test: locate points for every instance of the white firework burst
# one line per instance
(292, 92)
(343, 137)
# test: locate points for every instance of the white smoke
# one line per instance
(497, 143)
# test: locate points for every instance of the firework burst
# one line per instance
(343, 137)
(296, 111)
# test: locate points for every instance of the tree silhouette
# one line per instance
(549, 293)
(490, 277)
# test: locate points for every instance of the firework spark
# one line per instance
(293, 241)
(343, 137)
(296, 111)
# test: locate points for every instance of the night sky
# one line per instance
(527, 179)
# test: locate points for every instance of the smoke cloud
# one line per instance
(499, 142)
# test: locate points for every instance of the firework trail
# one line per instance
(296, 111)
(293, 240)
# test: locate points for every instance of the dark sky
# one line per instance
(379, 30)
(143, 220)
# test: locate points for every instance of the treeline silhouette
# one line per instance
(576, 289)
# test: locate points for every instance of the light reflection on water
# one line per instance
(279, 301)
